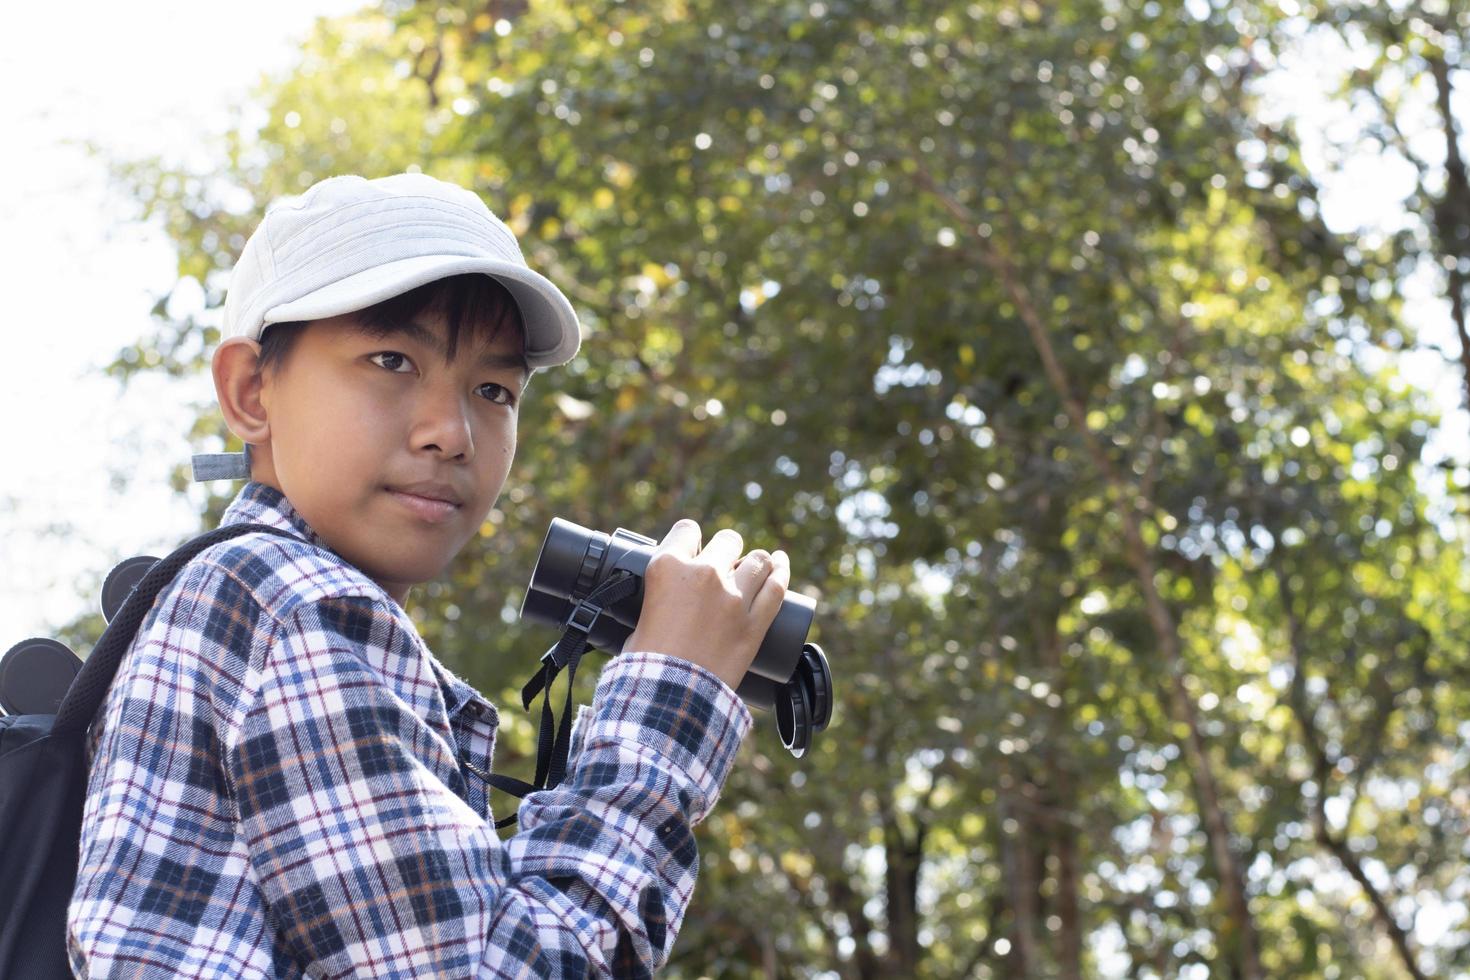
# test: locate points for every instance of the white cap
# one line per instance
(348, 243)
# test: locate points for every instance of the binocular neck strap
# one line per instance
(554, 742)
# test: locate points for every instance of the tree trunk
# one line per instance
(1061, 816)
(1068, 908)
(1022, 893)
(1452, 213)
(905, 857)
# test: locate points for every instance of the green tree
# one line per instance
(1018, 329)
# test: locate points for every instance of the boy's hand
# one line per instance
(711, 607)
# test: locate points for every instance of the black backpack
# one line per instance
(43, 782)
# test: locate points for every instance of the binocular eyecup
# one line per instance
(789, 675)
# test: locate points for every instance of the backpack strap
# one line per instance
(89, 688)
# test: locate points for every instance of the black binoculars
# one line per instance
(36, 673)
(789, 675)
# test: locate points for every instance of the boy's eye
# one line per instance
(499, 394)
(392, 360)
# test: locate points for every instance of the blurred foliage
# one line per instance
(1021, 332)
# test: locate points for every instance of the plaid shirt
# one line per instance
(281, 787)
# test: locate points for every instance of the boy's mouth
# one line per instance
(433, 502)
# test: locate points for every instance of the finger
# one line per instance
(683, 539)
(752, 573)
(723, 550)
(767, 601)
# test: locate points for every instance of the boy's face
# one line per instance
(391, 453)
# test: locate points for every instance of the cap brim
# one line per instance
(552, 333)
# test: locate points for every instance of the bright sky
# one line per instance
(79, 277)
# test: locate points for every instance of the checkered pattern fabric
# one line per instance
(279, 788)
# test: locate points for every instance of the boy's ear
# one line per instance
(237, 384)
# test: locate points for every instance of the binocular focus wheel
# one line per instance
(34, 676)
(120, 581)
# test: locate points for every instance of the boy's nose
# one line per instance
(444, 428)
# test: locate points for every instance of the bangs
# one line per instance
(473, 305)
(472, 302)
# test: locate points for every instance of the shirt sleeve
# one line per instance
(371, 865)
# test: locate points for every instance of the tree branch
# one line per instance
(1452, 215)
(1323, 766)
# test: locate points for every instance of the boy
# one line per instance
(282, 781)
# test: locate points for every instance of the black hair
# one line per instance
(473, 300)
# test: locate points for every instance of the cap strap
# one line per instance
(222, 466)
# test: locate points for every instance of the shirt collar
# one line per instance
(258, 503)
